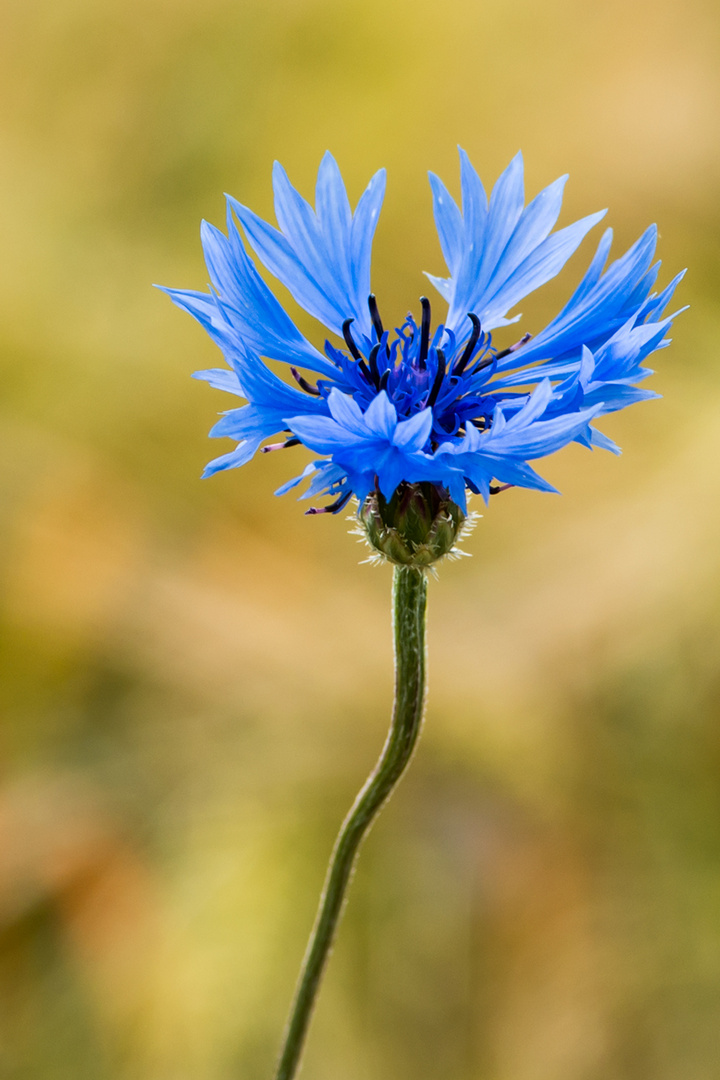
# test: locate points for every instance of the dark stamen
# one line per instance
(356, 352)
(513, 348)
(349, 338)
(375, 315)
(366, 371)
(424, 332)
(470, 347)
(384, 379)
(372, 363)
(333, 508)
(439, 376)
(304, 384)
(495, 489)
(280, 445)
(483, 364)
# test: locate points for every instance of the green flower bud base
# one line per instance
(416, 527)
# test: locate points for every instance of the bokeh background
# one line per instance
(197, 677)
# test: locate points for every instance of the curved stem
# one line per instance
(409, 600)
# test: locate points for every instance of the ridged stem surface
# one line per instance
(409, 604)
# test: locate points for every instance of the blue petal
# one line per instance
(320, 433)
(519, 473)
(474, 207)
(544, 437)
(443, 285)
(596, 308)
(269, 399)
(449, 224)
(290, 484)
(301, 229)
(655, 305)
(347, 412)
(277, 254)
(597, 438)
(364, 223)
(498, 254)
(413, 434)
(506, 204)
(322, 257)
(245, 423)
(264, 389)
(543, 264)
(535, 406)
(328, 479)
(240, 456)
(381, 417)
(391, 472)
(245, 314)
(335, 220)
(467, 268)
(536, 222)
(204, 308)
(221, 379)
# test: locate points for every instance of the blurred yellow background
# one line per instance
(197, 678)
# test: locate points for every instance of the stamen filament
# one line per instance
(424, 332)
(366, 371)
(470, 347)
(513, 348)
(304, 384)
(294, 441)
(349, 339)
(332, 508)
(438, 381)
(372, 363)
(375, 315)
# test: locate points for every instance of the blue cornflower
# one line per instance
(441, 407)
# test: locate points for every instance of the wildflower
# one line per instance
(431, 406)
(409, 423)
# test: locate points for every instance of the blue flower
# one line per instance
(445, 406)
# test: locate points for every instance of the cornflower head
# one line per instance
(410, 421)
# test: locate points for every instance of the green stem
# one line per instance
(409, 599)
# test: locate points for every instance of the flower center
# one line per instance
(422, 361)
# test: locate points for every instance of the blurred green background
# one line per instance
(197, 677)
